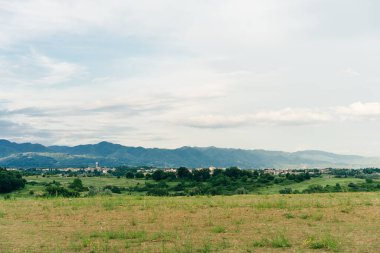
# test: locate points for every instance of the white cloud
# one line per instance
(290, 116)
(287, 116)
(350, 72)
(30, 19)
(36, 68)
(359, 110)
(214, 121)
(154, 65)
(196, 26)
(55, 71)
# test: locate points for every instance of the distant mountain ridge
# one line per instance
(28, 155)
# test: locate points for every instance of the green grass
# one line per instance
(119, 235)
(124, 182)
(240, 223)
(327, 242)
(289, 216)
(90, 181)
(276, 241)
(65, 181)
(218, 229)
(280, 241)
(325, 180)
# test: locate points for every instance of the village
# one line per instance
(104, 170)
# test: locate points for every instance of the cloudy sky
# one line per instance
(256, 74)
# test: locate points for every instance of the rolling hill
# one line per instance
(27, 155)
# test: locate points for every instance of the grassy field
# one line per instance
(325, 180)
(87, 181)
(124, 182)
(339, 222)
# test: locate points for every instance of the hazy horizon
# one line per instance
(274, 75)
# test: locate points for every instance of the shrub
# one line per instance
(286, 191)
(326, 242)
(106, 192)
(261, 243)
(218, 229)
(289, 216)
(280, 241)
(55, 191)
(158, 192)
(77, 185)
(113, 189)
(93, 191)
(241, 190)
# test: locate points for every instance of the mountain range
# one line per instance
(28, 155)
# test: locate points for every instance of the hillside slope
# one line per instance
(26, 155)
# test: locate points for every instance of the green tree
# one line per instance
(201, 175)
(77, 185)
(129, 174)
(139, 175)
(10, 181)
(158, 175)
(233, 172)
(183, 173)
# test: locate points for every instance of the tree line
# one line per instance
(10, 181)
(217, 182)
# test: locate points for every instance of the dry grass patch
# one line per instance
(249, 223)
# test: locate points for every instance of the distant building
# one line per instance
(170, 170)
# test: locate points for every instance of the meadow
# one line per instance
(65, 181)
(330, 222)
(323, 181)
(127, 182)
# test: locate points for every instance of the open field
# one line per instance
(65, 181)
(324, 180)
(87, 181)
(124, 182)
(339, 222)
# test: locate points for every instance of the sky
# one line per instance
(253, 74)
